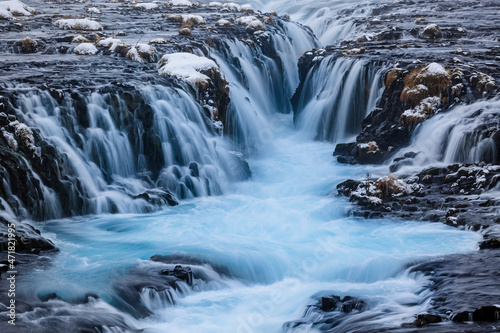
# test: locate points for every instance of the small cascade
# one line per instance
(158, 299)
(128, 151)
(262, 80)
(332, 21)
(464, 134)
(336, 96)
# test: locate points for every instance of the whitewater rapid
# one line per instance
(268, 246)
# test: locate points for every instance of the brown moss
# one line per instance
(389, 186)
(436, 84)
(269, 20)
(392, 76)
(29, 45)
(185, 30)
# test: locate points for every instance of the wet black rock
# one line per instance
(183, 273)
(490, 244)
(426, 319)
(483, 313)
(346, 304)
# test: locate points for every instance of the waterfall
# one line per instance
(119, 146)
(262, 80)
(129, 149)
(332, 21)
(336, 96)
(464, 134)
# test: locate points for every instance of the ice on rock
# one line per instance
(186, 67)
(85, 49)
(78, 24)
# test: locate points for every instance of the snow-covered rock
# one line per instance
(78, 24)
(214, 4)
(80, 39)
(180, 3)
(146, 5)
(187, 67)
(24, 133)
(251, 22)
(142, 53)
(85, 49)
(231, 6)
(9, 137)
(9, 9)
(111, 43)
(188, 18)
(158, 41)
(222, 22)
(93, 10)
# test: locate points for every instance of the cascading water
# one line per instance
(261, 85)
(323, 16)
(262, 251)
(336, 96)
(275, 241)
(458, 136)
(106, 151)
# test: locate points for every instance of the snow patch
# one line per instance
(434, 69)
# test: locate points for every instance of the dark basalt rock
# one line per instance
(346, 187)
(426, 319)
(452, 195)
(182, 273)
(345, 305)
(483, 313)
(490, 244)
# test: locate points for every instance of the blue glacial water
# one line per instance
(264, 248)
